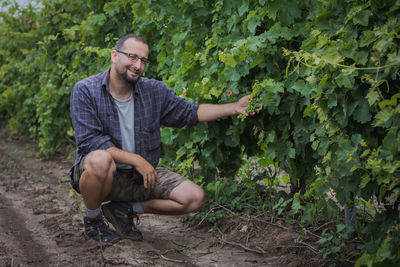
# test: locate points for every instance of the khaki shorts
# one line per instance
(125, 188)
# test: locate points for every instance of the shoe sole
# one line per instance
(112, 220)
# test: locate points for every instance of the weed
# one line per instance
(78, 202)
(222, 241)
(64, 179)
(334, 241)
(13, 154)
(187, 252)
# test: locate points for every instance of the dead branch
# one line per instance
(316, 251)
(225, 208)
(260, 250)
(325, 224)
(168, 259)
(179, 244)
(159, 255)
(245, 248)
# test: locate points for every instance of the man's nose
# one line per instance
(137, 64)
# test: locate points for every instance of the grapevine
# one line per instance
(327, 100)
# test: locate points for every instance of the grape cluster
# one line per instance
(251, 108)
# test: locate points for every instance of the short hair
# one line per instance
(129, 36)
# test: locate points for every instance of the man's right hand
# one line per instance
(150, 176)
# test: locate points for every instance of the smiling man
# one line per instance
(116, 116)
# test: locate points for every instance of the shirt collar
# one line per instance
(105, 79)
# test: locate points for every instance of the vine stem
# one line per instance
(350, 67)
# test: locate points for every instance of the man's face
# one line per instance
(130, 67)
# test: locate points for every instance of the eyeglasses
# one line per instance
(134, 58)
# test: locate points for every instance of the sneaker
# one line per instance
(121, 215)
(98, 230)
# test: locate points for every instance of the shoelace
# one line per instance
(128, 224)
(101, 226)
(131, 216)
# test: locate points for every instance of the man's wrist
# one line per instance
(237, 110)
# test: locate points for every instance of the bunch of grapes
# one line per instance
(252, 108)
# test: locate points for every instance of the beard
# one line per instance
(123, 76)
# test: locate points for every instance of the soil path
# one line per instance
(41, 225)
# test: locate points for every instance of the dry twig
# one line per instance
(157, 254)
(225, 208)
(168, 259)
(325, 224)
(205, 216)
(179, 244)
(245, 248)
(316, 251)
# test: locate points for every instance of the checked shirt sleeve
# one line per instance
(177, 111)
(89, 134)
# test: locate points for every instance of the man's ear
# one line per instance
(114, 55)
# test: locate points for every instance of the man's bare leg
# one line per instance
(185, 198)
(97, 178)
(96, 184)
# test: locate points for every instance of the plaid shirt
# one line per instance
(95, 117)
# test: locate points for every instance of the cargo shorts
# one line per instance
(125, 188)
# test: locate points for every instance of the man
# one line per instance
(116, 116)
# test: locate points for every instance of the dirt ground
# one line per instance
(40, 225)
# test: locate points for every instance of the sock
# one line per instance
(92, 213)
(137, 207)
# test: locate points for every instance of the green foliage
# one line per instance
(333, 243)
(254, 191)
(324, 75)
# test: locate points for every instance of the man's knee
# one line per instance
(199, 198)
(195, 197)
(99, 163)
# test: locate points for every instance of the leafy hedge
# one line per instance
(324, 76)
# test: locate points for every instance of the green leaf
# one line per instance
(362, 18)
(301, 87)
(383, 45)
(111, 8)
(372, 97)
(309, 110)
(178, 37)
(332, 101)
(243, 8)
(365, 260)
(345, 81)
(340, 227)
(272, 86)
(99, 19)
(253, 20)
(367, 38)
(349, 48)
(228, 59)
(364, 181)
(383, 116)
(296, 206)
(385, 251)
(292, 153)
(289, 10)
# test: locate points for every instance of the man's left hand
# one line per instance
(242, 104)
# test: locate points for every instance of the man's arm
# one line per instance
(88, 129)
(148, 172)
(212, 112)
